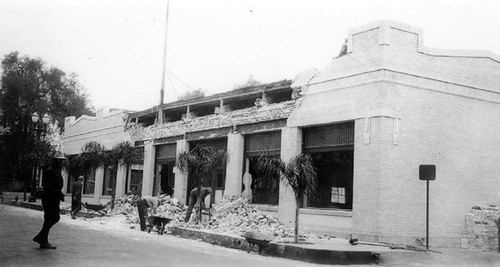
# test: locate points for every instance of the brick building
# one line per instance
(368, 120)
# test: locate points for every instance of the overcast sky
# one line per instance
(116, 46)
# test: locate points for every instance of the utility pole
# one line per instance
(162, 91)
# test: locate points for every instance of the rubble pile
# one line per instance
(481, 231)
(238, 217)
(231, 216)
(169, 209)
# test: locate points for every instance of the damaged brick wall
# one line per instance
(226, 119)
(481, 231)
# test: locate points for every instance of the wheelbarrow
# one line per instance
(259, 239)
(95, 208)
(157, 224)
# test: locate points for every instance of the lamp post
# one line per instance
(40, 128)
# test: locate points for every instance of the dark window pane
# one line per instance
(89, 183)
(265, 188)
(335, 179)
(136, 181)
(108, 181)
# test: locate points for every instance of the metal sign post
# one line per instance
(427, 173)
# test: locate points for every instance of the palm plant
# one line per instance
(91, 158)
(95, 155)
(122, 154)
(199, 163)
(299, 173)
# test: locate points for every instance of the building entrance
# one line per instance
(166, 177)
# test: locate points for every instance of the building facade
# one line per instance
(108, 129)
(369, 120)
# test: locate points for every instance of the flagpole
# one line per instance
(162, 91)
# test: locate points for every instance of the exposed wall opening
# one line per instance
(166, 176)
(235, 104)
(175, 114)
(264, 188)
(279, 96)
(135, 182)
(332, 150)
(164, 179)
(204, 109)
(89, 183)
(109, 180)
(216, 180)
(146, 120)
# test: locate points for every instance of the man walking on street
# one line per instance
(76, 197)
(52, 195)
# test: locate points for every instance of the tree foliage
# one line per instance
(194, 94)
(299, 173)
(248, 83)
(29, 86)
(95, 155)
(92, 157)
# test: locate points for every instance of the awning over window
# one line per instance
(329, 136)
(218, 143)
(166, 151)
(269, 142)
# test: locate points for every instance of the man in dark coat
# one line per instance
(52, 195)
(76, 197)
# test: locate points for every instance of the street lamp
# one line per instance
(41, 129)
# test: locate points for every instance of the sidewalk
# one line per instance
(336, 250)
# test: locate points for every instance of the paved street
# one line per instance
(81, 243)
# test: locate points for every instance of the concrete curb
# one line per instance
(289, 251)
(29, 205)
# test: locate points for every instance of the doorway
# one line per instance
(165, 172)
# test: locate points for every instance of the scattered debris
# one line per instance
(232, 215)
(355, 241)
(239, 217)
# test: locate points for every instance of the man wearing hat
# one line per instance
(52, 195)
(76, 197)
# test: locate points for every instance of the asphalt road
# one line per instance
(80, 243)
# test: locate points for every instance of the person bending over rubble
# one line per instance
(142, 207)
(193, 197)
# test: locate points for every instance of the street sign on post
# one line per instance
(427, 173)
